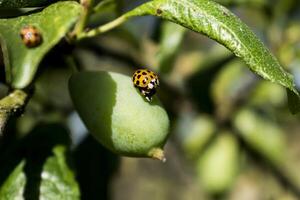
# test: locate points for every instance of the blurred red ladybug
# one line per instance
(30, 36)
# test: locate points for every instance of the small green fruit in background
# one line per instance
(217, 167)
(118, 116)
(194, 133)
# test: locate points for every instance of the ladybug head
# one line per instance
(148, 93)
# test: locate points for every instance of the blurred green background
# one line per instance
(232, 135)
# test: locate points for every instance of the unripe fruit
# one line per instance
(118, 116)
(218, 166)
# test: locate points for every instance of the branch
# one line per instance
(87, 4)
(11, 105)
(104, 28)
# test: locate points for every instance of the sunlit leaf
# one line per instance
(14, 186)
(221, 25)
(58, 180)
(53, 22)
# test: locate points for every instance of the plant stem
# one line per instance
(70, 61)
(87, 5)
(11, 105)
(103, 28)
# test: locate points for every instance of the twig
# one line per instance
(80, 26)
(104, 28)
(11, 105)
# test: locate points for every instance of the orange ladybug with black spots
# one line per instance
(146, 81)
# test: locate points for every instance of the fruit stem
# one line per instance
(157, 153)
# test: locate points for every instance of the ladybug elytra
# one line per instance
(146, 81)
(30, 36)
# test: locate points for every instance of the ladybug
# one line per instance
(146, 81)
(31, 36)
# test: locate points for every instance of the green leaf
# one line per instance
(48, 175)
(58, 180)
(221, 25)
(53, 22)
(230, 86)
(267, 95)
(294, 102)
(194, 133)
(171, 38)
(24, 3)
(105, 5)
(14, 186)
(256, 129)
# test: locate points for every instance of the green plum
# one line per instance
(217, 168)
(118, 116)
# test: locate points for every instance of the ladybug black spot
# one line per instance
(146, 81)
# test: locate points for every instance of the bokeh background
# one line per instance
(232, 135)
